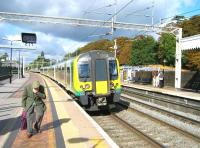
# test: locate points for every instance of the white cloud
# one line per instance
(15, 37)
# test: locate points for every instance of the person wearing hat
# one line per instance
(32, 101)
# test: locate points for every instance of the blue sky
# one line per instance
(57, 40)
(193, 5)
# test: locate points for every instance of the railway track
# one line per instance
(131, 128)
(184, 105)
(152, 123)
(188, 122)
(123, 133)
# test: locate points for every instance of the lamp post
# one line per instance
(11, 43)
(115, 47)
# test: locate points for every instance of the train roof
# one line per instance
(91, 52)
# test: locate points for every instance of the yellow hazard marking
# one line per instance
(51, 133)
(101, 87)
(68, 129)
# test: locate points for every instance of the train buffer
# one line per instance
(64, 124)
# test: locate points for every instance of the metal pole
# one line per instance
(115, 47)
(11, 63)
(23, 65)
(19, 69)
(22, 68)
(115, 17)
(178, 60)
(152, 13)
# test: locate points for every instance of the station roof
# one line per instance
(190, 43)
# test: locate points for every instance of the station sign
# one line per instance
(30, 38)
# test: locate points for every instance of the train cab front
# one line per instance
(98, 76)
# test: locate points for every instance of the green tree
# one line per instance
(143, 51)
(41, 61)
(191, 26)
(4, 57)
(167, 48)
(124, 45)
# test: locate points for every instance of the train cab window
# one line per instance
(83, 70)
(113, 69)
(100, 70)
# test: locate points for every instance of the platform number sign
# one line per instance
(29, 38)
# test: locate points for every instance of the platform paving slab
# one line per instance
(10, 107)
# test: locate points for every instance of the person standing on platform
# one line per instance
(154, 79)
(157, 79)
(161, 79)
(32, 101)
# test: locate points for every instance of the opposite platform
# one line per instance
(166, 90)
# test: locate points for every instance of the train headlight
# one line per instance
(87, 86)
(112, 84)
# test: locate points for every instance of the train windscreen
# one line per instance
(84, 70)
(113, 69)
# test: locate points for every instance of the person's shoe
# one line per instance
(36, 128)
(29, 135)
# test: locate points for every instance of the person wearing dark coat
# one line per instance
(32, 101)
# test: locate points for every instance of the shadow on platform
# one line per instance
(69, 100)
(5, 110)
(1, 92)
(9, 125)
(54, 124)
(4, 115)
(82, 139)
(9, 107)
(7, 104)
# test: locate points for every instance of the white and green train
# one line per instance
(93, 77)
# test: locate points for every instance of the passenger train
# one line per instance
(93, 77)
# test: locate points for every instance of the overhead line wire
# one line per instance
(182, 13)
(107, 20)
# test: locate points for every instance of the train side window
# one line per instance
(68, 75)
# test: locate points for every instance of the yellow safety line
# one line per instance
(68, 129)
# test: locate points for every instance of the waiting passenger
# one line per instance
(32, 102)
(161, 79)
(154, 80)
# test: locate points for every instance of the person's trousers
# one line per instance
(39, 115)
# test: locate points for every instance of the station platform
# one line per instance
(65, 123)
(166, 90)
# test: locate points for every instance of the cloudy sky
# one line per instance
(57, 40)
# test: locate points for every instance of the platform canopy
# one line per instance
(190, 43)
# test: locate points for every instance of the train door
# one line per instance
(101, 77)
